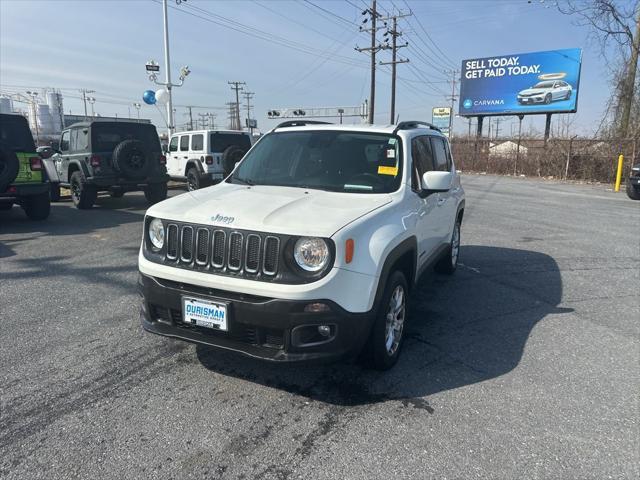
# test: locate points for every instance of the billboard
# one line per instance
(440, 118)
(521, 84)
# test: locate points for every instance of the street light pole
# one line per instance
(167, 67)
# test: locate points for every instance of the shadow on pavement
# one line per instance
(464, 329)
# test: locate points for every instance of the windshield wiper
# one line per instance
(242, 181)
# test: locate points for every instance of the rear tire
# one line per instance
(155, 192)
(633, 192)
(449, 261)
(83, 195)
(54, 192)
(385, 342)
(37, 207)
(9, 166)
(193, 179)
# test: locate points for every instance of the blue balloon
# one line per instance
(149, 97)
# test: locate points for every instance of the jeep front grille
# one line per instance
(218, 250)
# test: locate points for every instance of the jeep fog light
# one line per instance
(156, 233)
(311, 254)
(317, 307)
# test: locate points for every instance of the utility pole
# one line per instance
(190, 117)
(212, 117)
(454, 76)
(373, 49)
(92, 100)
(84, 92)
(237, 86)
(204, 119)
(497, 133)
(248, 96)
(231, 115)
(138, 105)
(394, 61)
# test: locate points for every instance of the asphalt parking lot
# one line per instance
(522, 365)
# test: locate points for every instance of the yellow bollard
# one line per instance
(619, 174)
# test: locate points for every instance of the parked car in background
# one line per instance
(633, 183)
(106, 156)
(311, 248)
(205, 157)
(545, 92)
(22, 179)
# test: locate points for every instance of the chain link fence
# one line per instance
(591, 160)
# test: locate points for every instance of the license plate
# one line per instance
(205, 313)
(217, 176)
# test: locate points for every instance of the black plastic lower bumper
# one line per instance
(635, 181)
(18, 190)
(266, 328)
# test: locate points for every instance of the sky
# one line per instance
(294, 54)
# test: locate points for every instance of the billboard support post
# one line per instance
(515, 165)
(547, 129)
(475, 143)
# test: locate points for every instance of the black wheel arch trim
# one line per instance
(81, 166)
(193, 163)
(408, 245)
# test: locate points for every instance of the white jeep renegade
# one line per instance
(310, 248)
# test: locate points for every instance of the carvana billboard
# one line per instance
(521, 84)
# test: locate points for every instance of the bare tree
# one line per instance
(614, 24)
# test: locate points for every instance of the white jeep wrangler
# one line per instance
(205, 157)
(309, 250)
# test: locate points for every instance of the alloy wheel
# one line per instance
(395, 320)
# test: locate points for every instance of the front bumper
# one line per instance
(266, 328)
(530, 100)
(635, 181)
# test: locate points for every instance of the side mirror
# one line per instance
(46, 154)
(436, 181)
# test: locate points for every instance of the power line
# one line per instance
(331, 13)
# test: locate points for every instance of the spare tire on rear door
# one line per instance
(232, 155)
(131, 158)
(9, 166)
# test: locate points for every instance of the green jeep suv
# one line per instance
(22, 180)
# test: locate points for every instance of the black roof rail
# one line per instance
(408, 124)
(301, 123)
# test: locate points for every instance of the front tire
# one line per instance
(37, 207)
(547, 99)
(83, 195)
(633, 192)
(155, 192)
(387, 335)
(449, 262)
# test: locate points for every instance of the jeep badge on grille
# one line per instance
(217, 218)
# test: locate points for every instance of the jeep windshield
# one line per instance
(15, 133)
(341, 161)
(106, 135)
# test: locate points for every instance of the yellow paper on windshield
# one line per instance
(382, 170)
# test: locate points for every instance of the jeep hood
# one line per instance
(287, 210)
(534, 91)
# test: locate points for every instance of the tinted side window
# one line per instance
(173, 146)
(422, 159)
(197, 142)
(184, 143)
(439, 155)
(64, 142)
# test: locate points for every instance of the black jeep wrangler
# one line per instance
(105, 156)
(22, 180)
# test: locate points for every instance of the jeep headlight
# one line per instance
(156, 233)
(311, 254)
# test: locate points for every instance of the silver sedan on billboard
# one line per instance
(545, 92)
